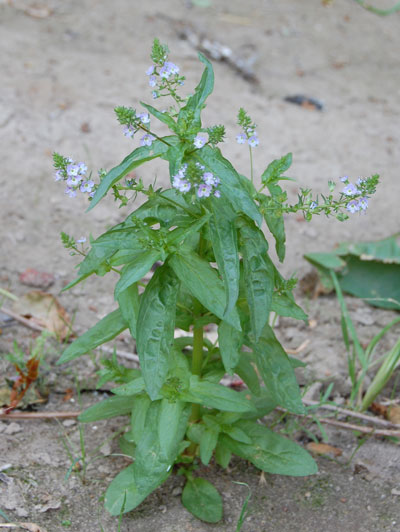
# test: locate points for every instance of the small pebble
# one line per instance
(13, 428)
(176, 491)
(69, 422)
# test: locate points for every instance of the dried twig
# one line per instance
(347, 426)
(357, 415)
(17, 415)
(21, 319)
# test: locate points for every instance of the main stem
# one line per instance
(198, 335)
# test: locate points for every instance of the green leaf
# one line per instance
(203, 283)
(128, 301)
(230, 342)
(274, 219)
(271, 452)
(172, 421)
(236, 433)
(276, 169)
(163, 117)
(141, 405)
(284, 305)
(136, 269)
(258, 274)
(247, 373)
(224, 242)
(215, 396)
(189, 120)
(177, 236)
(104, 331)
(110, 407)
(202, 500)
(174, 155)
(231, 185)
(150, 469)
(133, 387)
(155, 327)
(208, 442)
(223, 455)
(133, 160)
(277, 372)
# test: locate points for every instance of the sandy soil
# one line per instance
(65, 66)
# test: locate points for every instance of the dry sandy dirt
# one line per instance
(64, 67)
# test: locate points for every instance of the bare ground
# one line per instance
(65, 66)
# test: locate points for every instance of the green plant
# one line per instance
(213, 267)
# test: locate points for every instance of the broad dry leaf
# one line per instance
(31, 527)
(393, 414)
(323, 448)
(44, 310)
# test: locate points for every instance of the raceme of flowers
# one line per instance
(204, 183)
(75, 176)
(359, 201)
(250, 136)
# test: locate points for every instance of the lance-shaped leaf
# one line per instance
(271, 452)
(202, 499)
(163, 117)
(135, 270)
(155, 327)
(208, 442)
(128, 301)
(258, 274)
(133, 160)
(204, 284)
(189, 116)
(277, 371)
(230, 342)
(153, 460)
(271, 205)
(216, 396)
(284, 305)
(104, 331)
(231, 185)
(110, 407)
(224, 242)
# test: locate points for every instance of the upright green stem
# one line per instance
(251, 164)
(198, 333)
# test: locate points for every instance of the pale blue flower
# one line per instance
(129, 131)
(253, 141)
(204, 191)
(241, 138)
(363, 203)
(87, 186)
(208, 178)
(350, 190)
(147, 140)
(59, 175)
(73, 181)
(144, 117)
(199, 141)
(360, 181)
(70, 192)
(82, 168)
(72, 169)
(155, 95)
(353, 206)
(313, 205)
(150, 70)
(217, 194)
(152, 81)
(344, 179)
(81, 240)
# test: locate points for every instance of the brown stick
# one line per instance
(15, 416)
(21, 319)
(347, 426)
(357, 415)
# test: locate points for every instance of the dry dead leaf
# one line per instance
(31, 527)
(44, 310)
(393, 414)
(323, 448)
(34, 10)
